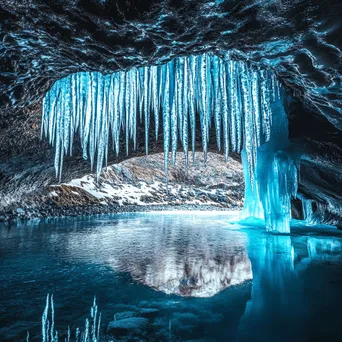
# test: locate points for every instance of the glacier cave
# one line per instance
(173, 165)
(243, 102)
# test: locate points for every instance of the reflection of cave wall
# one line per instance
(43, 41)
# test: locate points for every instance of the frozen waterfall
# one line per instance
(242, 102)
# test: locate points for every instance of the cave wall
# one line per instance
(44, 40)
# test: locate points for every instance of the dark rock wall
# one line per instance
(44, 40)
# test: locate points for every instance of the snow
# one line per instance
(132, 193)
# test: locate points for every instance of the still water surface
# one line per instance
(209, 279)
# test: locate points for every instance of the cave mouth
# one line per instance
(243, 103)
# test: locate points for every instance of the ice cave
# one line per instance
(170, 170)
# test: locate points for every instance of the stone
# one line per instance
(149, 312)
(127, 325)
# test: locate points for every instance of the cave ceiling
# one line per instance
(44, 40)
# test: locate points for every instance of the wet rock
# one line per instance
(124, 314)
(149, 312)
(222, 186)
(127, 325)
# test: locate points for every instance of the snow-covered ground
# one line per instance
(141, 181)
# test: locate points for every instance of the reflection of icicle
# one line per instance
(280, 264)
(274, 278)
(234, 98)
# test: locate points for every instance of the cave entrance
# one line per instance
(241, 102)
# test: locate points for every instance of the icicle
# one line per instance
(102, 131)
(266, 111)
(122, 101)
(241, 101)
(185, 113)
(134, 109)
(233, 99)
(249, 142)
(155, 97)
(208, 94)
(93, 115)
(179, 94)
(203, 105)
(116, 113)
(217, 98)
(225, 111)
(256, 106)
(127, 109)
(87, 119)
(192, 107)
(146, 105)
(69, 334)
(173, 108)
(166, 120)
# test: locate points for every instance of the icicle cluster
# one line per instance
(232, 96)
(240, 102)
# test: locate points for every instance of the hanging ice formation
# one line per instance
(242, 102)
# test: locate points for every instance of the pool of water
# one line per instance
(206, 278)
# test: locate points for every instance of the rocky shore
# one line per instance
(136, 185)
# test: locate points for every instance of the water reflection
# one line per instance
(172, 257)
(210, 280)
(324, 249)
(292, 282)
